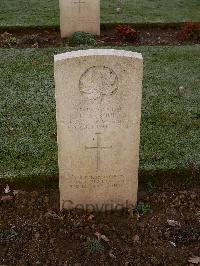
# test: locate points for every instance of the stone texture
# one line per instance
(98, 98)
(79, 15)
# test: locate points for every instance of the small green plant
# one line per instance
(30, 39)
(94, 245)
(8, 235)
(151, 186)
(11, 41)
(84, 38)
(144, 208)
(188, 180)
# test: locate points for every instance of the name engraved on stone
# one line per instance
(97, 82)
(115, 181)
(98, 147)
(88, 118)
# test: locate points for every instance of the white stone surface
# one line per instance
(79, 15)
(98, 98)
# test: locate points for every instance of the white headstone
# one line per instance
(79, 15)
(98, 98)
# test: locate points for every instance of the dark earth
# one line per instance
(50, 37)
(164, 229)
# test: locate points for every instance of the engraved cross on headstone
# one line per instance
(79, 2)
(99, 148)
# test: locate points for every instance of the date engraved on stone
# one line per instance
(97, 181)
(98, 82)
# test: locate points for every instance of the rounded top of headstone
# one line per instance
(98, 52)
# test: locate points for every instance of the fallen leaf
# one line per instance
(172, 243)
(19, 192)
(52, 240)
(53, 215)
(35, 45)
(6, 35)
(15, 192)
(46, 199)
(136, 238)
(34, 194)
(173, 223)
(194, 260)
(37, 235)
(7, 189)
(91, 216)
(98, 235)
(105, 238)
(112, 255)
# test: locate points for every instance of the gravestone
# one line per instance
(98, 98)
(79, 15)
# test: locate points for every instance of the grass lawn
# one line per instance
(46, 12)
(170, 132)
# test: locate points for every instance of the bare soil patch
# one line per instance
(165, 231)
(50, 37)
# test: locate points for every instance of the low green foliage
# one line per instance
(30, 39)
(94, 245)
(144, 208)
(10, 41)
(82, 38)
(188, 180)
(8, 235)
(151, 186)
